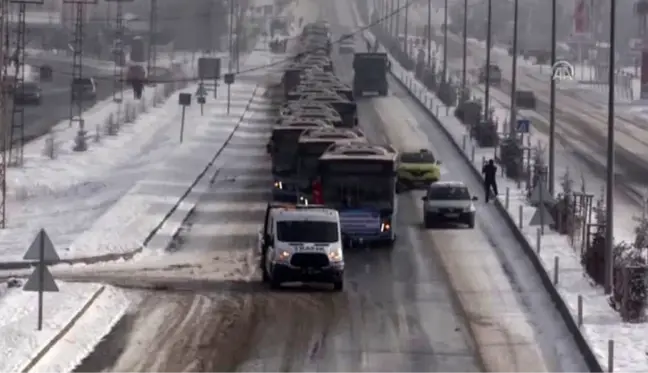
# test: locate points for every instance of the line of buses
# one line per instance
(320, 156)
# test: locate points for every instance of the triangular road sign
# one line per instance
(33, 283)
(49, 252)
(546, 197)
(541, 211)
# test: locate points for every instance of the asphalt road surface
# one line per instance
(442, 300)
(55, 105)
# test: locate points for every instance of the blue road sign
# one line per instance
(523, 125)
(201, 91)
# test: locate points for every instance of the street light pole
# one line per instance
(489, 42)
(397, 21)
(406, 28)
(464, 64)
(445, 41)
(230, 60)
(609, 195)
(513, 116)
(429, 32)
(552, 105)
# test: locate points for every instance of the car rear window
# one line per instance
(83, 82)
(418, 157)
(448, 193)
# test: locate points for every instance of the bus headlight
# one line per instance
(278, 185)
(335, 255)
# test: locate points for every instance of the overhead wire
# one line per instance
(357, 31)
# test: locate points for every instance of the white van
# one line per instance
(300, 243)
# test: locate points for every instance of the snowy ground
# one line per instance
(600, 322)
(156, 190)
(20, 342)
(78, 188)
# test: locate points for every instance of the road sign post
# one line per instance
(41, 251)
(208, 69)
(201, 97)
(184, 100)
(229, 80)
(523, 125)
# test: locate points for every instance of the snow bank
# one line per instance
(128, 225)
(20, 342)
(81, 338)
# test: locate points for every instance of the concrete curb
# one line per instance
(584, 347)
(63, 331)
(211, 164)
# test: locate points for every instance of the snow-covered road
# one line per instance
(582, 156)
(441, 300)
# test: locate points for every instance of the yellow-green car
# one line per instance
(417, 169)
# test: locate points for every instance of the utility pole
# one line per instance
(119, 56)
(152, 42)
(76, 99)
(609, 195)
(489, 42)
(4, 33)
(230, 60)
(513, 117)
(17, 132)
(397, 15)
(392, 18)
(406, 29)
(464, 63)
(552, 104)
(429, 33)
(239, 39)
(445, 42)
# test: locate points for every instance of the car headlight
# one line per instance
(283, 255)
(278, 185)
(385, 227)
(336, 255)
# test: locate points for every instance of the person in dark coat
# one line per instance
(490, 183)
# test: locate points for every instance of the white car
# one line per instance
(448, 201)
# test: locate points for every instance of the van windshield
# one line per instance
(307, 231)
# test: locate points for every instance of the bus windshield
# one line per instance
(309, 153)
(355, 192)
(284, 151)
(350, 184)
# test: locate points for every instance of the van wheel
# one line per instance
(338, 286)
(275, 284)
(427, 222)
(265, 277)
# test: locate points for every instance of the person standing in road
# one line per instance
(490, 183)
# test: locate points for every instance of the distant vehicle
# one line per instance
(494, 75)
(417, 169)
(84, 89)
(525, 99)
(370, 73)
(28, 93)
(301, 243)
(448, 201)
